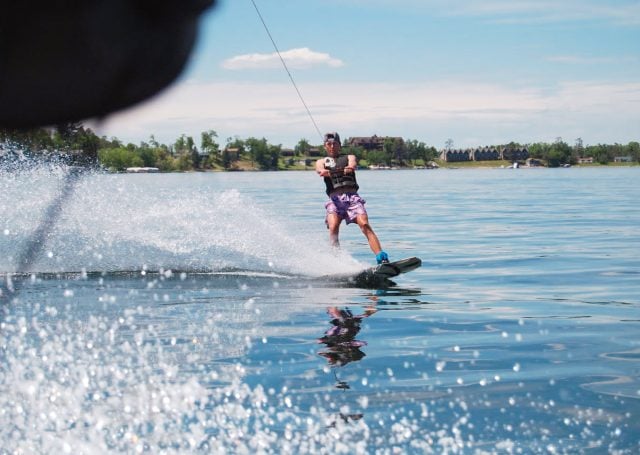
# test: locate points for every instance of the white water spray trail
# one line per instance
(115, 223)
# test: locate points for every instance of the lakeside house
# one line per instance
(232, 152)
(372, 142)
(515, 153)
(485, 154)
(455, 155)
(585, 160)
(622, 159)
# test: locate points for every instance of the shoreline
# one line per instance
(446, 166)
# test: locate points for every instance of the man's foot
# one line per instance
(382, 258)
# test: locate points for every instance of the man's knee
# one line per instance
(365, 227)
(333, 223)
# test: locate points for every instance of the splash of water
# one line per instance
(115, 223)
(71, 385)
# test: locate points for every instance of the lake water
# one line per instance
(189, 313)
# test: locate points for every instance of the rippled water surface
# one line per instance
(192, 313)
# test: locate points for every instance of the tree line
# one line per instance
(560, 152)
(76, 144)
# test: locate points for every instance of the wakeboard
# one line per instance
(381, 275)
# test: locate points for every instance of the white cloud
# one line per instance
(585, 60)
(431, 111)
(300, 58)
(621, 12)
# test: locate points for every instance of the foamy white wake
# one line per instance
(129, 223)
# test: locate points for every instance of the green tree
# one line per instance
(208, 142)
(109, 143)
(554, 158)
(65, 134)
(164, 160)
(378, 157)
(599, 153)
(32, 141)
(184, 162)
(88, 143)
(302, 147)
(262, 154)
(147, 154)
(395, 148)
(118, 159)
(78, 144)
(539, 150)
(227, 162)
(633, 150)
(274, 156)
(359, 152)
(185, 151)
(578, 149)
(210, 148)
(419, 151)
(614, 150)
(562, 151)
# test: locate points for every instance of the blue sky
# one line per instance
(479, 72)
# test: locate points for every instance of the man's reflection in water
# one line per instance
(342, 346)
(340, 340)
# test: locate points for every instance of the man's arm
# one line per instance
(353, 163)
(320, 169)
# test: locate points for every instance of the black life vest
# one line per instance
(338, 179)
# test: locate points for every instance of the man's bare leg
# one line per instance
(367, 230)
(333, 223)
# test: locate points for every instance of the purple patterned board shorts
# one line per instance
(347, 206)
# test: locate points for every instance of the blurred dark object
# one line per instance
(78, 59)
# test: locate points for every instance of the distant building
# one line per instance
(515, 153)
(315, 151)
(586, 160)
(372, 142)
(622, 159)
(287, 152)
(233, 153)
(452, 156)
(485, 154)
